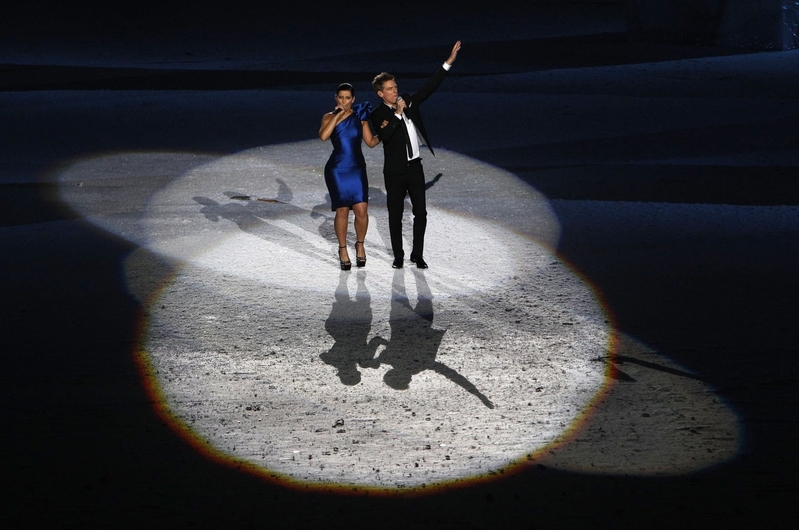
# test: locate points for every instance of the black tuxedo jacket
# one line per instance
(394, 134)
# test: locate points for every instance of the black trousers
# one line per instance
(397, 187)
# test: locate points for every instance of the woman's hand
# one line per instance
(368, 138)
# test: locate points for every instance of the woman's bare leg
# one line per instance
(340, 225)
(361, 226)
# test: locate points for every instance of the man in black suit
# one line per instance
(399, 125)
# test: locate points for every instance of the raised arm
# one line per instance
(432, 84)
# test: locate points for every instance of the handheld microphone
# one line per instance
(336, 110)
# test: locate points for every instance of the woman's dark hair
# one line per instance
(346, 86)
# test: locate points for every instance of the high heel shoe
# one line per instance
(360, 261)
(345, 265)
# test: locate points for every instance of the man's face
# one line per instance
(389, 92)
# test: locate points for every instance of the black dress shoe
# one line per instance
(397, 263)
(420, 262)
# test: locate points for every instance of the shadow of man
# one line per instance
(262, 217)
(349, 324)
(414, 342)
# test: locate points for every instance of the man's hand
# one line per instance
(454, 54)
(400, 105)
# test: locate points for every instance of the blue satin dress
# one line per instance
(345, 171)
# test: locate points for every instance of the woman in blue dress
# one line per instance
(345, 171)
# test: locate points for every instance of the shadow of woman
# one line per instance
(261, 218)
(414, 342)
(349, 324)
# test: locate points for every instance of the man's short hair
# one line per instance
(377, 82)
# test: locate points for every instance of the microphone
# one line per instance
(336, 110)
(399, 98)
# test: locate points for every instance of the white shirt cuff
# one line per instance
(447, 66)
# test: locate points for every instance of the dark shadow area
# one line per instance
(731, 23)
(728, 139)
(414, 341)
(644, 179)
(16, 200)
(621, 359)
(433, 181)
(485, 58)
(553, 53)
(349, 324)
(51, 77)
(619, 375)
(669, 183)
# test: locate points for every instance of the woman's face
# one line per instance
(344, 99)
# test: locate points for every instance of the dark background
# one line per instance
(81, 443)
